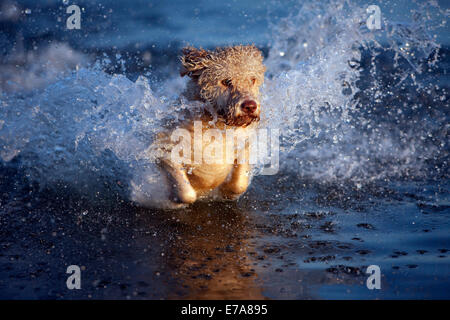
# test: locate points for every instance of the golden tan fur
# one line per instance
(224, 77)
(227, 80)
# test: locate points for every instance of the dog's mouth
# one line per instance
(237, 118)
(242, 121)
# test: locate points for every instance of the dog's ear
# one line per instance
(194, 61)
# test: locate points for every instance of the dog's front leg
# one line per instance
(238, 183)
(182, 190)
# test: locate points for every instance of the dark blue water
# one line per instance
(363, 180)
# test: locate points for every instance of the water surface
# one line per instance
(363, 176)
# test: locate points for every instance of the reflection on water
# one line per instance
(312, 241)
(204, 252)
(211, 255)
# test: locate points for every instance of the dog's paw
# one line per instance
(230, 196)
(184, 196)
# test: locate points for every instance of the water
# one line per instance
(363, 164)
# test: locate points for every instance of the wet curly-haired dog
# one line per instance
(226, 81)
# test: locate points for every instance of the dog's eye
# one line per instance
(226, 82)
(253, 80)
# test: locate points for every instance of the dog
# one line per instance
(226, 82)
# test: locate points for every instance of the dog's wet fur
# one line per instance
(226, 81)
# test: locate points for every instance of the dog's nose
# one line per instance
(249, 106)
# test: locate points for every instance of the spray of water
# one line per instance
(334, 81)
(341, 114)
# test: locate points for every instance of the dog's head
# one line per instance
(227, 78)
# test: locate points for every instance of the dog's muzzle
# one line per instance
(249, 107)
(245, 113)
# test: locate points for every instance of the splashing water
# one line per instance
(347, 101)
(325, 77)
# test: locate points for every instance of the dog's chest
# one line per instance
(208, 176)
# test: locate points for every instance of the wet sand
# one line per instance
(298, 241)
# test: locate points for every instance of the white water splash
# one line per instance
(68, 130)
